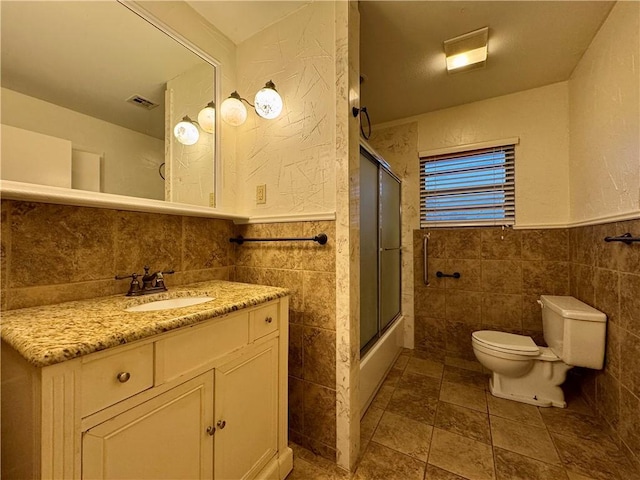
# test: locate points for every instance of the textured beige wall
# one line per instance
(604, 99)
(540, 118)
(294, 155)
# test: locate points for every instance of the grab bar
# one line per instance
(626, 238)
(425, 258)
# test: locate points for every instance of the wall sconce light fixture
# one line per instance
(207, 118)
(186, 131)
(468, 51)
(267, 103)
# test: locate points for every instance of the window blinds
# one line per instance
(469, 188)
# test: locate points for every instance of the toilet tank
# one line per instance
(574, 331)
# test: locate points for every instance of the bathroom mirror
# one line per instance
(91, 93)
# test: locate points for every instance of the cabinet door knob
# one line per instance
(268, 319)
(123, 377)
(221, 424)
(211, 430)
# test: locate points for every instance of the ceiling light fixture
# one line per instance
(267, 104)
(467, 52)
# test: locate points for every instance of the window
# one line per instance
(467, 188)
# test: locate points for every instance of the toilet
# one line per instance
(528, 373)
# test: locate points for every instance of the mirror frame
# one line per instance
(10, 190)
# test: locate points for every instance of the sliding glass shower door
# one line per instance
(380, 261)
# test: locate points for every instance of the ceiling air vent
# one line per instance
(142, 102)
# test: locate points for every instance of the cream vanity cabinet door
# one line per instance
(246, 412)
(166, 437)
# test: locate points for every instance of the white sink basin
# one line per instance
(169, 304)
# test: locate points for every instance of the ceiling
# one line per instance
(240, 20)
(531, 44)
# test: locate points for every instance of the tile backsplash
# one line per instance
(57, 253)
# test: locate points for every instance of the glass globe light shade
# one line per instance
(186, 132)
(233, 111)
(207, 118)
(268, 102)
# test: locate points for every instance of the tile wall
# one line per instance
(502, 274)
(308, 270)
(57, 253)
(607, 276)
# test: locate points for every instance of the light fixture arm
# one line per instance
(237, 96)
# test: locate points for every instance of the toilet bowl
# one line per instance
(525, 372)
(521, 370)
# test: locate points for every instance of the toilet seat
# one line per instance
(506, 342)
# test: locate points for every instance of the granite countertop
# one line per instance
(54, 333)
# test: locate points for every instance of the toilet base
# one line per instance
(531, 399)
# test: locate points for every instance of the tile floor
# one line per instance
(438, 422)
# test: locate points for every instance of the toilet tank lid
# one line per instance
(507, 341)
(571, 307)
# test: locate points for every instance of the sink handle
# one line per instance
(134, 286)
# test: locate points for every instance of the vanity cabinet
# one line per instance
(165, 437)
(206, 401)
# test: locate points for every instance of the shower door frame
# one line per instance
(370, 154)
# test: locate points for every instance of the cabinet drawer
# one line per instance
(263, 321)
(109, 379)
(184, 352)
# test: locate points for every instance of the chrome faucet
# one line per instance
(151, 282)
